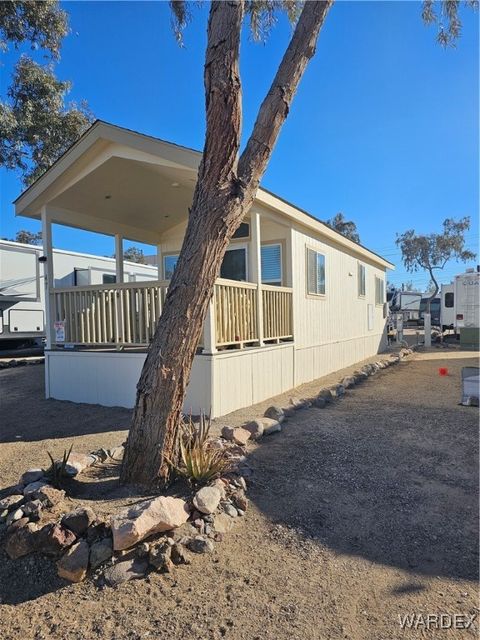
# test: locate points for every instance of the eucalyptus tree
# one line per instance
(347, 228)
(227, 182)
(36, 126)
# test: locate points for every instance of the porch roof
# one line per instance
(114, 180)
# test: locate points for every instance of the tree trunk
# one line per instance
(224, 193)
(434, 280)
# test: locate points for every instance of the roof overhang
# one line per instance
(113, 180)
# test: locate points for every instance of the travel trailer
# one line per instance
(407, 303)
(22, 286)
(295, 299)
(460, 306)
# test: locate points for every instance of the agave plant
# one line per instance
(199, 460)
(57, 470)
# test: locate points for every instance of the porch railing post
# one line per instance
(209, 333)
(50, 310)
(119, 276)
(257, 272)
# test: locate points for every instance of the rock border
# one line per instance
(20, 362)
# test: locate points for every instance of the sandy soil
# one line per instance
(360, 512)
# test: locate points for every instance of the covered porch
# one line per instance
(136, 188)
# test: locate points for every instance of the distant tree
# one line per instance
(134, 254)
(431, 288)
(347, 228)
(408, 286)
(36, 126)
(431, 252)
(28, 237)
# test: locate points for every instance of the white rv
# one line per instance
(460, 303)
(22, 290)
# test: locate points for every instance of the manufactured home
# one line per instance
(295, 300)
(22, 290)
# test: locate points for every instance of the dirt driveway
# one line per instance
(361, 513)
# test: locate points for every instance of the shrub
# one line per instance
(56, 471)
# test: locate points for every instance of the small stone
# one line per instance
(142, 550)
(222, 523)
(49, 496)
(255, 428)
(33, 487)
(276, 413)
(230, 510)
(17, 524)
(200, 544)
(100, 552)
(146, 518)
(73, 564)
(120, 572)
(32, 475)
(289, 411)
(240, 500)
(348, 382)
(13, 516)
(207, 499)
(338, 390)
(21, 541)
(11, 502)
(179, 555)
(159, 556)
(79, 520)
(32, 509)
(52, 539)
(240, 512)
(326, 394)
(320, 402)
(117, 453)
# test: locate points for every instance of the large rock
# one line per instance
(52, 539)
(21, 541)
(255, 428)
(326, 394)
(31, 475)
(239, 435)
(73, 564)
(48, 495)
(11, 502)
(145, 519)
(199, 544)
(338, 390)
(33, 487)
(77, 462)
(100, 552)
(276, 413)
(222, 523)
(131, 569)
(348, 381)
(320, 402)
(207, 499)
(159, 556)
(79, 520)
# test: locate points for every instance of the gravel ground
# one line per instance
(360, 512)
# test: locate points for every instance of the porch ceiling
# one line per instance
(123, 192)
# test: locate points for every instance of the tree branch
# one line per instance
(275, 107)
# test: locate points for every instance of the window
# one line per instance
(361, 279)
(234, 265)
(379, 290)
(243, 231)
(109, 278)
(169, 264)
(315, 272)
(271, 257)
(449, 299)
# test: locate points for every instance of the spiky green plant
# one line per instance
(199, 460)
(57, 469)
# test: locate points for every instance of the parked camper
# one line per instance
(461, 306)
(434, 311)
(408, 304)
(22, 290)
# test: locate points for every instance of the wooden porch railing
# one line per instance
(126, 314)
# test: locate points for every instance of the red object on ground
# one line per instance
(443, 371)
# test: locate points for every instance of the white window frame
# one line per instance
(379, 281)
(272, 244)
(361, 268)
(310, 293)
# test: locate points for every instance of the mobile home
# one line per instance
(295, 300)
(22, 290)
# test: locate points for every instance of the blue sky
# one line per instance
(383, 128)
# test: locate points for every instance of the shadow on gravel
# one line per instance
(396, 485)
(26, 416)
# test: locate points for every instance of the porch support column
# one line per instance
(159, 262)
(209, 333)
(48, 277)
(257, 271)
(118, 258)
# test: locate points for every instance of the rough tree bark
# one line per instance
(224, 193)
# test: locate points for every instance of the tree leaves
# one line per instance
(347, 228)
(445, 15)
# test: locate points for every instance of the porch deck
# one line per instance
(126, 315)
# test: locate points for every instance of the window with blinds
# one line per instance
(315, 272)
(361, 279)
(379, 290)
(271, 257)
